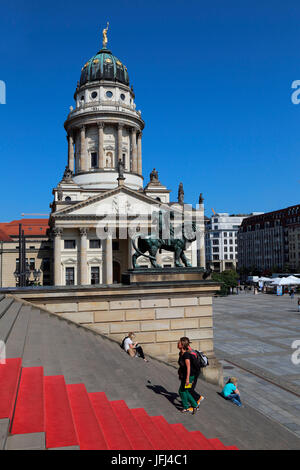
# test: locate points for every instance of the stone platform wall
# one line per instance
(158, 315)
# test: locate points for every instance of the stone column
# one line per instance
(120, 128)
(108, 261)
(82, 149)
(57, 232)
(71, 152)
(100, 145)
(134, 150)
(139, 151)
(83, 257)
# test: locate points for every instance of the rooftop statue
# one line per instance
(172, 242)
(180, 194)
(154, 176)
(121, 169)
(104, 32)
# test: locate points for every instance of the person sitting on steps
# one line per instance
(230, 392)
(133, 349)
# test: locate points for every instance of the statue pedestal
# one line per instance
(144, 276)
(178, 303)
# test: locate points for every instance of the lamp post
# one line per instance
(22, 274)
(37, 275)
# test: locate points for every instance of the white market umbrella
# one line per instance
(286, 281)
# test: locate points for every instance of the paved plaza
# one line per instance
(253, 337)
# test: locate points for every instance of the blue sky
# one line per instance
(213, 81)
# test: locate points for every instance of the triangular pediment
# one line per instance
(118, 201)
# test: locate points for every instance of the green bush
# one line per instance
(227, 280)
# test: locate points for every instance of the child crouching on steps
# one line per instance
(230, 392)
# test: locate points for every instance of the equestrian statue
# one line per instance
(166, 239)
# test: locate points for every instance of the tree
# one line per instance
(228, 279)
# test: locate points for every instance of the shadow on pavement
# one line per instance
(170, 396)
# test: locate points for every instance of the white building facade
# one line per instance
(221, 245)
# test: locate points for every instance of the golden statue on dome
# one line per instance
(104, 32)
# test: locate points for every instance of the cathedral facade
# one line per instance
(101, 205)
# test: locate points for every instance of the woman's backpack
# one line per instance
(200, 360)
(122, 344)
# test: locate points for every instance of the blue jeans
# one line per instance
(235, 398)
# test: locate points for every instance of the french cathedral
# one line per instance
(102, 203)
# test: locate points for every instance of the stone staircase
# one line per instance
(44, 411)
(60, 375)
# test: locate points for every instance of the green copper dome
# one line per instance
(104, 66)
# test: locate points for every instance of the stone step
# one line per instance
(4, 305)
(7, 321)
(16, 341)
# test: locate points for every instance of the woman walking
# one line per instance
(187, 375)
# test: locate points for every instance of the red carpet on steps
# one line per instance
(131, 427)
(69, 416)
(9, 379)
(60, 429)
(89, 433)
(114, 433)
(29, 412)
(157, 439)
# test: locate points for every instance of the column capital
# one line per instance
(120, 125)
(83, 127)
(57, 231)
(100, 125)
(133, 130)
(83, 231)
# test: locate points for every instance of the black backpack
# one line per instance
(200, 360)
(122, 345)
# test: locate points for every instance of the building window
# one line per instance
(122, 96)
(225, 242)
(95, 244)
(94, 95)
(94, 160)
(68, 199)
(70, 244)
(167, 266)
(215, 242)
(70, 277)
(95, 275)
(216, 250)
(109, 94)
